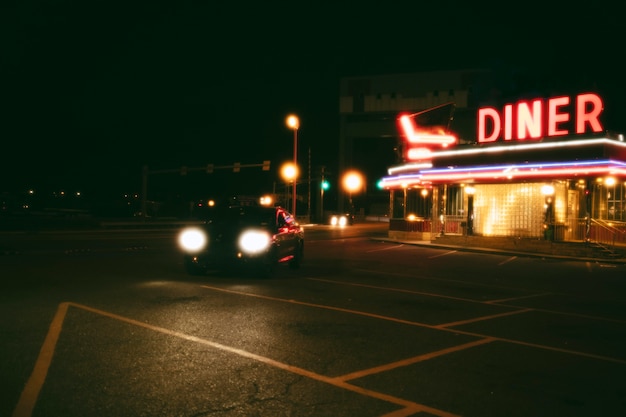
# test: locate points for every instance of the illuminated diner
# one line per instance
(542, 168)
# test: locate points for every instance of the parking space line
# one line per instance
(322, 306)
(28, 398)
(500, 302)
(415, 359)
(31, 392)
(443, 254)
(429, 326)
(521, 297)
(383, 249)
(512, 258)
(440, 279)
(376, 287)
(482, 318)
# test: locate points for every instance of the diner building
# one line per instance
(543, 168)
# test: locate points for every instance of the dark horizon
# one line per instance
(94, 91)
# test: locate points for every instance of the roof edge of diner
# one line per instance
(572, 158)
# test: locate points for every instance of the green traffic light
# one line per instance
(325, 185)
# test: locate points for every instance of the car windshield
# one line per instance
(247, 216)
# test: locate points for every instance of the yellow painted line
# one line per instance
(415, 359)
(376, 287)
(512, 258)
(521, 297)
(440, 279)
(482, 318)
(567, 314)
(383, 249)
(443, 254)
(322, 306)
(470, 300)
(428, 326)
(30, 394)
(28, 398)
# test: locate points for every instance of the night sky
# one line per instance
(93, 90)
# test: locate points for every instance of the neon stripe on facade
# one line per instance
(410, 167)
(569, 169)
(529, 146)
(499, 172)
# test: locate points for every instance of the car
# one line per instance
(254, 237)
(343, 219)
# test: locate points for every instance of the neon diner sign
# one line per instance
(538, 118)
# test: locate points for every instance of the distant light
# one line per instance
(293, 122)
(289, 171)
(353, 181)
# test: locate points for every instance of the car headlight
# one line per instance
(254, 241)
(338, 221)
(192, 239)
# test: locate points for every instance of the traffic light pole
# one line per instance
(209, 168)
(322, 184)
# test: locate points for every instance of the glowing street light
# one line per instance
(289, 172)
(352, 182)
(294, 123)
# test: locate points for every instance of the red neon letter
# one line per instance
(508, 122)
(554, 117)
(591, 116)
(492, 113)
(529, 121)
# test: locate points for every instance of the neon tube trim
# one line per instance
(528, 146)
(527, 170)
(536, 170)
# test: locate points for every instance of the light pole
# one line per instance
(294, 123)
(289, 172)
(352, 182)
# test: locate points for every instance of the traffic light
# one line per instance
(266, 165)
(325, 185)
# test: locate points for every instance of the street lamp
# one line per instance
(352, 182)
(289, 172)
(294, 123)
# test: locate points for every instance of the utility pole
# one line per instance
(321, 204)
(308, 209)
